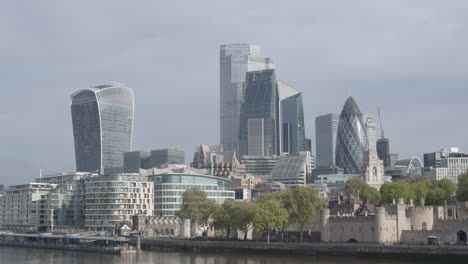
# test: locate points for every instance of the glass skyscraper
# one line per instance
(291, 119)
(326, 130)
(102, 118)
(352, 139)
(260, 104)
(235, 61)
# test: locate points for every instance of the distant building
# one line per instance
(2, 189)
(326, 129)
(405, 168)
(383, 151)
(216, 161)
(352, 138)
(324, 170)
(292, 169)
(163, 156)
(451, 167)
(171, 182)
(235, 61)
(102, 118)
(258, 166)
(434, 159)
(136, 160)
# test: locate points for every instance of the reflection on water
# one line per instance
(43, 256)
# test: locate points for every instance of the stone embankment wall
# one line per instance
(308, 248)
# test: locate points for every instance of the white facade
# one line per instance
(451, 168)
(110, 200)
(371, 132)
(373, 170)
(235, 61)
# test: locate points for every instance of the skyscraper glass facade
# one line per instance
(292, 119)
(261, 102)
(326, 130)
(235, 61)
(352, 139)
(102, 119)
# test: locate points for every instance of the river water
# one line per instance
(45, 256)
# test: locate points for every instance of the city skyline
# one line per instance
(384, 65)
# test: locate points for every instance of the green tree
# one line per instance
(420, 190)
(244, 216)
(197, 207)
(448, 187)
(224, 216)
(462, 191)
(369, 193)
(396, 190)
(419, 178)
(435, 196)
(303, 205)
(354, 186)
(270, 215)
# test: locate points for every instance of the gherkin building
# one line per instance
(352, 142)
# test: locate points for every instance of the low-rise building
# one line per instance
(259, 166)
(217, 162)
(292, 169)
(171, 182)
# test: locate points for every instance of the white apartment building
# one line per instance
(26, 206)
(451, 167)
(111, 200)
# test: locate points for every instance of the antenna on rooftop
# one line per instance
(380, 121)
(40, 172)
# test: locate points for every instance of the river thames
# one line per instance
(42, 256)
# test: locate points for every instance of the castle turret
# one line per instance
(379, 224)
(325, 233)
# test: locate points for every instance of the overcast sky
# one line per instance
(409, 58)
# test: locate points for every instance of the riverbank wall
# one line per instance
(330, 249)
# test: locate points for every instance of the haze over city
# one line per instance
(409, 59)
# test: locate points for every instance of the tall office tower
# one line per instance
(383, 151)
(352, 141)
(102, 119)
(235, 60)
(371, 132)
(326, 129)
(260, 105)
(291, 119)
(308, 145)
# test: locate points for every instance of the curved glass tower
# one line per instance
(352, 140)
(102, 118)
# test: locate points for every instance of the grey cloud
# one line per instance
(409, 58)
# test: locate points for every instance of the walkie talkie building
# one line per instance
(352, 140)
(102, 119)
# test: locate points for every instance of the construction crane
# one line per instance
(380, 121)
